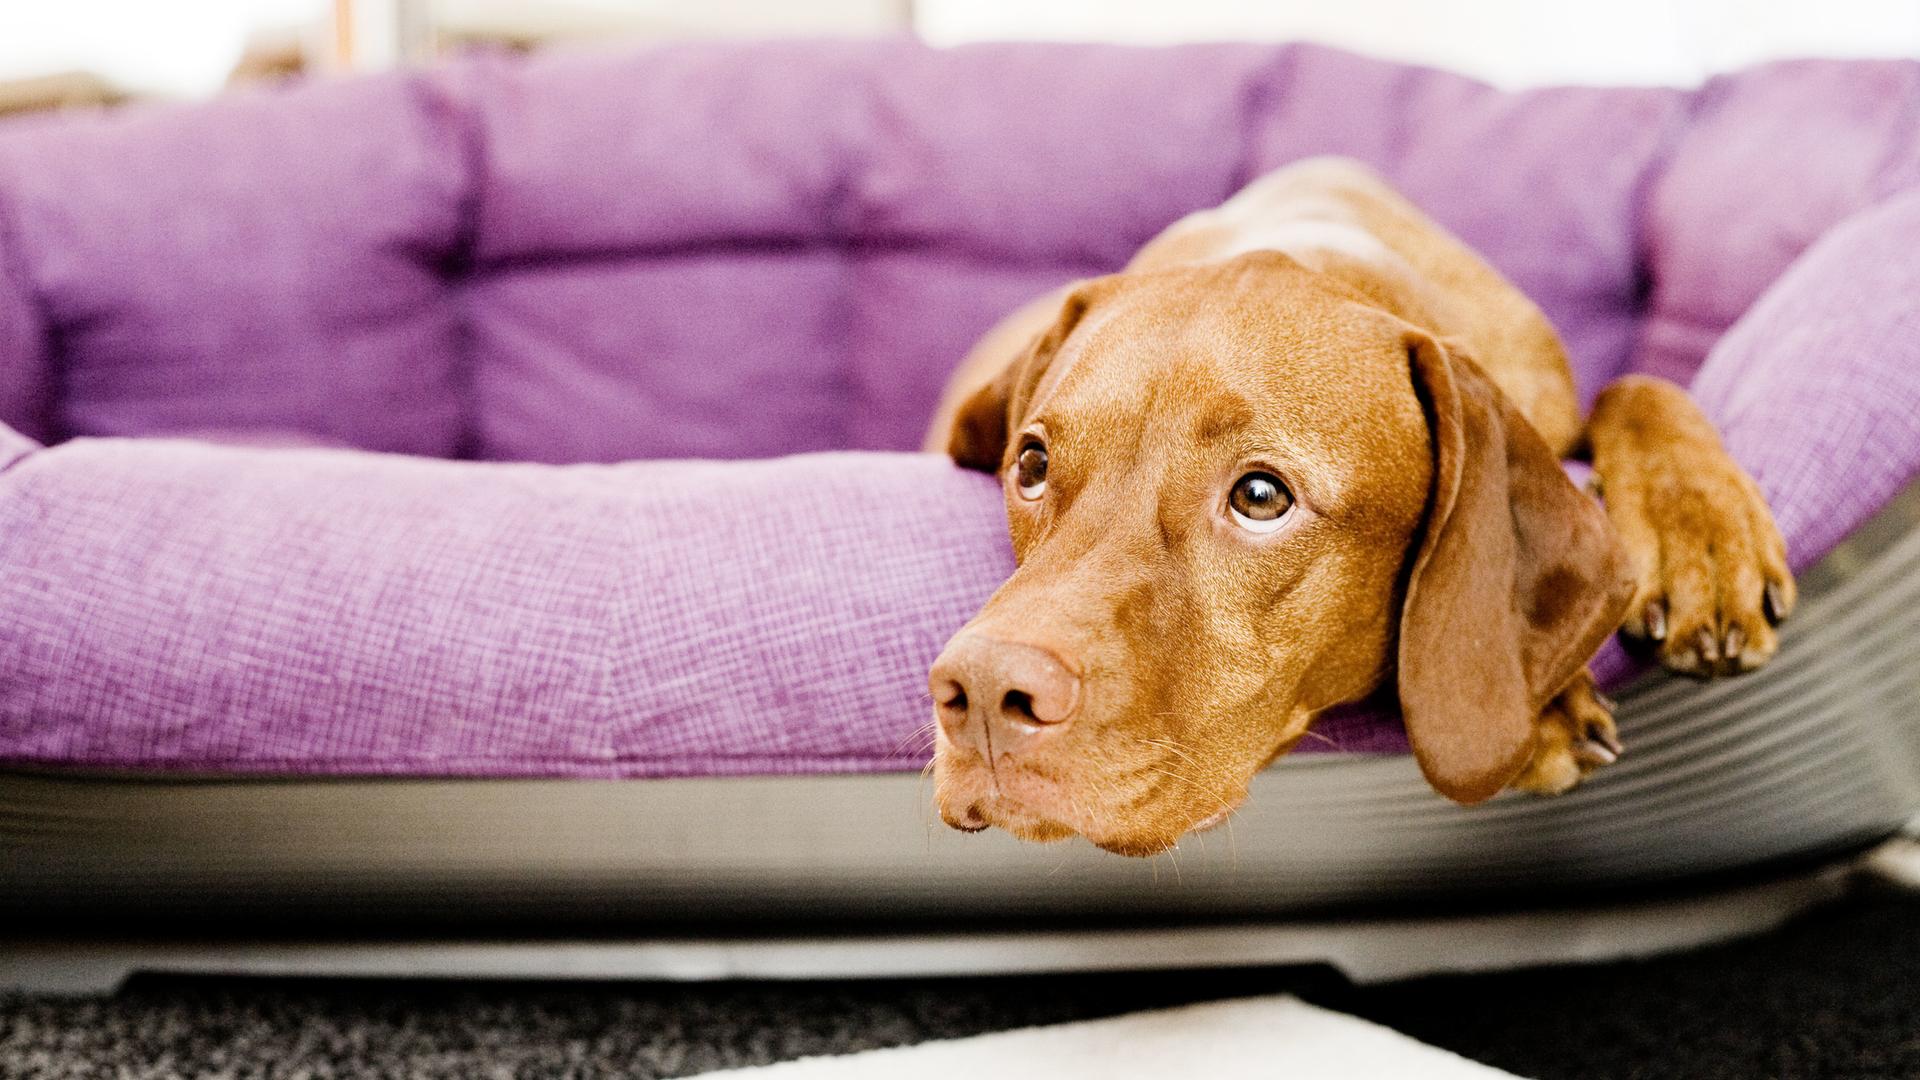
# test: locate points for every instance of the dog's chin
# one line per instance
(1024, 824)
(968, 802)
(1037, 830)
(1000, 812)
(1138, 845)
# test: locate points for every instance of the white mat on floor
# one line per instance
(1282, 1038)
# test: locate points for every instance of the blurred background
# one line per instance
(91, 51)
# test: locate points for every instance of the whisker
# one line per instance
(1329, 740)
(1174, 748)
(1224, 805)
(925, 730)
(927, 816)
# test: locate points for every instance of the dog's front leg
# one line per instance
(1711, 566)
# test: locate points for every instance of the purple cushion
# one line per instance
(174, 604)
(265, 261)
(1770, 160)
(1816, 389)
(586, 363)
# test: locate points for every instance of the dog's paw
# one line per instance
(1711, 567)
(1576, 736)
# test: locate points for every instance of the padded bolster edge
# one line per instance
(181, 605)
(1815, 388)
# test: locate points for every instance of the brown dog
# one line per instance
(1304, 443)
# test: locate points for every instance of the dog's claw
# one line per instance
(1576, 736)
(1603, 742)
(1774, 603)
(1656, 620)
(1709, 648)
(1594, 752)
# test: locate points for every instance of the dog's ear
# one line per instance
(1517, 580)
(981, 426)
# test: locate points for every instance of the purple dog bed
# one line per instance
(212, 317)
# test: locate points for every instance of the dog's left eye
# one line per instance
(1259, 502)
(1030, 469)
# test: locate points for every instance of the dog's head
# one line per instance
(1240, 494)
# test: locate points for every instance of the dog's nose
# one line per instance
(1017, 690)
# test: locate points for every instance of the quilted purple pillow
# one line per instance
(183, 605)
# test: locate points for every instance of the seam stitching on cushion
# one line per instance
(1646, 281)
(52, 349)
(1898, 159)
(948, 246)
(460, 115)
(844, 217)
(1640, 199)
(1269, 85)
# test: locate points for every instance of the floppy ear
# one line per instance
(1517, 581)
(978, 437)
(984, 421)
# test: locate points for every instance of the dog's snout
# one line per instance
(1004, 691)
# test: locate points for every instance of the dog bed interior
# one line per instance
(235, 337)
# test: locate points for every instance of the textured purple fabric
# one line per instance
(744, 250)
(704, 355)
(267, 261)
(13, 447)
(25, 394)
(1817, 388)
(181, 605)
(1770, 159)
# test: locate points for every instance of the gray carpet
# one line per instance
(1835, 994)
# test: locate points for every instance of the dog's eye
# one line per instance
(1259, 501)
(1030, 469)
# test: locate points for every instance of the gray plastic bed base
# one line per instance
(1364, 950)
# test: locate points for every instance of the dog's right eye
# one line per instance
(1030, 469)
(1259, 502)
